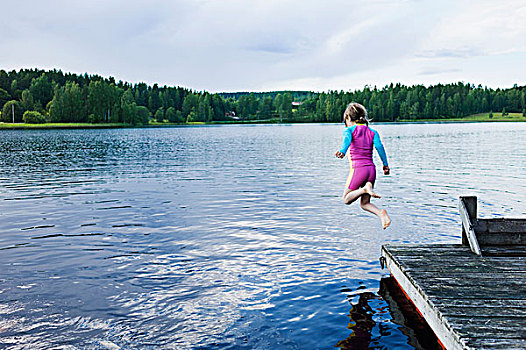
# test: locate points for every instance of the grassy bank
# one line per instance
(63, 126)
(122, 125)
(481, 117)
(497, 117)
(261, 121)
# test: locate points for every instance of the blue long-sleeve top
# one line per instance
(377, 142)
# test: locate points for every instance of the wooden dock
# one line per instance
(472, 295)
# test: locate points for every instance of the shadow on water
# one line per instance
(376, 317)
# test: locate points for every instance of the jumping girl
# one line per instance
(359, 138)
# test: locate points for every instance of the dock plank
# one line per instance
(489, 303)
(497, 344)
(470, 301)
(482, 311)
(498, 327)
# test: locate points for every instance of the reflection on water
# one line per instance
(386, 320)
(361, 323)
(230, 236)
(404, 314)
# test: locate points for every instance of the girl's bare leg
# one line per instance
(365, 203)
(365, 193)
(350, 196)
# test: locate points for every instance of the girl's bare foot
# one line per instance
(386, 221)
(368, 188)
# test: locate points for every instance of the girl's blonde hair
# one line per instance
(356, 112)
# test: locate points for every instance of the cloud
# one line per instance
(478, 28)
(435, 71)
(251, 45)
(456, 52)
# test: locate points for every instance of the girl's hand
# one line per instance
(386, 170)
(339, 154)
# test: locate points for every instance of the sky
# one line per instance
(267, 45)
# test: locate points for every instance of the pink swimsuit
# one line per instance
(359, 140)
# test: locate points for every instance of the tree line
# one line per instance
(38, 96)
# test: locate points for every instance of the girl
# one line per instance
(361, 138)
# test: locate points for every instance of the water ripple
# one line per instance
(230, 237)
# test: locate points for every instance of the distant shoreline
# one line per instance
(481, 118)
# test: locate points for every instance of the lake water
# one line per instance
(225, 236)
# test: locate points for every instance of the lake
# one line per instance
(231, 236)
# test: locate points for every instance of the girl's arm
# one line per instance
(347, 138)
(380, 148)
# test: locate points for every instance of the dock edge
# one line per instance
(444, 332)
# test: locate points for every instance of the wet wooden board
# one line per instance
(470, 301)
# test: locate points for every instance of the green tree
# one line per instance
(278, 105)
(192, 117)
(42, 90)
(33, 117)
(390, 108)
(141, 94)
(68, 104)
(320, 114)
(286, 105)
(218, 105)
(7, 112)
(414, 110)
(190, 103)
(14, 89)
(179, 117)
(436, 114)
(26, 102)
(104, 101)
(306, 110)
(253, 106)
(457, 105)
(154, 100)
(178, 99)
(171, 115)
(4, 97)
(5, 82)
(143, 114)
(428, 113)
(333, 110)
(266, 108)
(159, 115)
(243, 107)
(450, 107)
(202, 109)
(129, 109)
(484, 105)
(97, 102)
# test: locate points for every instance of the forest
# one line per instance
(39, 96)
